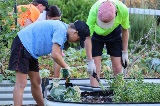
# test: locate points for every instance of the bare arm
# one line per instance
(28, 22)
(56, 55)
(125, 37)
(88, 47)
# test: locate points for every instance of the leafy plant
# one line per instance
(144, 38)
(76, 60)
(140, 28)
(72, 9)
(148, 64)
(46, 62)
(10, 75)
(8, 30)
(70, 94)
(44, 73)
(57, 92)
(1, 78)
(134, 90)
(23, 2)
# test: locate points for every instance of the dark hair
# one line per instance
(35, 3)
(43, 2)
(54, 11)
(72, 26)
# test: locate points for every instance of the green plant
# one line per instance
(70, 94)
(46, 62)
(76, 60)
(144, 38)
(1, 78)
(140, 27)
(8, 30)
(44, 73)
(57, 92)
(10, 75)
(147, 64)
(134, 90)
(73, 10)
(23, 2)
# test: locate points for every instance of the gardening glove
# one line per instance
(124, 59)
(91, 68)
(66, 72)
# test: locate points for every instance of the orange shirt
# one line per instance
(27, 12)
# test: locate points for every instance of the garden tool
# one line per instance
(65, 73)
(67, 83)
(124, 68)
(100, 83)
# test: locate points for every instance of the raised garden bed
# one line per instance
(94, 96)
(6, 97)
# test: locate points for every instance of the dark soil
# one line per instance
(91, 99)
(97, 97)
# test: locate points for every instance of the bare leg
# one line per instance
(36, 88)
(56, 70)
(21, 82)
(97, 61)
(116, 65)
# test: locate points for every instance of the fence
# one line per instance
(142, 3)
(144, 11)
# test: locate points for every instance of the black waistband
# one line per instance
(115, 34)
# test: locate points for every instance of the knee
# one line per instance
(117, 69)
(21, 84)
(98, 70)
(36, 82)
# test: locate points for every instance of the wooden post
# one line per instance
(45, 82)
(15, 10)
(124, 1)
(130, 3)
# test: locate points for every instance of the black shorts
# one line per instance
(113, 43)
(20, 59)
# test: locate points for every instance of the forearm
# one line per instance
(57, 56)
(59, 60)
(88, 47)
(125, 37)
